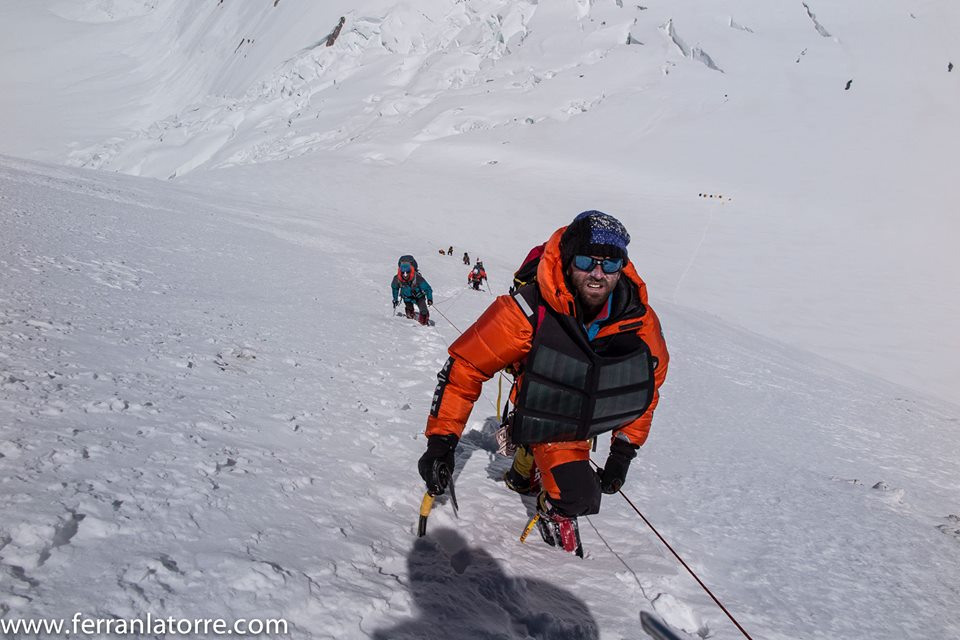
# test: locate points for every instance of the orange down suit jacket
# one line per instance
(503, 336)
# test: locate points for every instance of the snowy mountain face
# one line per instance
(209, 410)
(195, 427)
(808, 140)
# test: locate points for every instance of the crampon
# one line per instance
(557, 530)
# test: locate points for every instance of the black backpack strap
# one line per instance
(417, 282)
(527, 298)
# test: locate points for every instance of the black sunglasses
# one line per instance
(587, 263)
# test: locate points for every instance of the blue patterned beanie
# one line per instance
(594, 233)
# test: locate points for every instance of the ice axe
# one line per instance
(442, 479)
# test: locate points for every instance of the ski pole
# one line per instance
(656, 628)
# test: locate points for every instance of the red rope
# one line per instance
(685, 566)
(695, 576)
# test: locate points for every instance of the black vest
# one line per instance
(574, 389)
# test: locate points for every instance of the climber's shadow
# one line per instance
(461, 592)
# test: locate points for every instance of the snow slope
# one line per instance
(197, 427)
(208, 409)
(810, 145)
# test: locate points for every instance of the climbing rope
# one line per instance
(442, 315)
(681, 561)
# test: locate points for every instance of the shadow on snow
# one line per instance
(461, 592)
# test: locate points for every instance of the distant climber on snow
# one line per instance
(410, 286)
(476, 276)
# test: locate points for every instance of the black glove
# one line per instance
(618, 462)
(429, 303)
(395, 303)
(436, 464)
